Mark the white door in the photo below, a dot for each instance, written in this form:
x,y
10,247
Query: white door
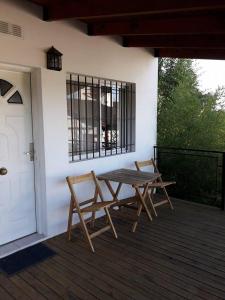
x,y
17,196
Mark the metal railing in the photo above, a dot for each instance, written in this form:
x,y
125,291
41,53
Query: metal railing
x,y
199,174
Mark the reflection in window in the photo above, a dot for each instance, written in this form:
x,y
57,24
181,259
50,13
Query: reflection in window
x,y
101,117
5,86
15,98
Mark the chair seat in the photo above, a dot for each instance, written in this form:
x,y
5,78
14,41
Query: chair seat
x,y
128,201
161,184
97,206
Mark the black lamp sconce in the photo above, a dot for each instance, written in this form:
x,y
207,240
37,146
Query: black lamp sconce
x,y
54,59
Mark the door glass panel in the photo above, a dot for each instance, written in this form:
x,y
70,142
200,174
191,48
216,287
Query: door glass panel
x,y
15,98
5,86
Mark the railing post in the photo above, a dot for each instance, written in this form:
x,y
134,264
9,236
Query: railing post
x,y
154,157
223,182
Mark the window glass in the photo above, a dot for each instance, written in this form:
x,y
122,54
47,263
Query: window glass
x,y
101,117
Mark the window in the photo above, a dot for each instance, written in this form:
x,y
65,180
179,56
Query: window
x,y
15,98
101,117
5,86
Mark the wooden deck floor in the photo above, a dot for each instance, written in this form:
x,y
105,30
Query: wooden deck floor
x,y
181,255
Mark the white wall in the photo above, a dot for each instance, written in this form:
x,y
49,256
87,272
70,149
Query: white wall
x,y
98,56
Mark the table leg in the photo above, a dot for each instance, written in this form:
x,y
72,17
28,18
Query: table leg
x,y
151,202
114,194
142,197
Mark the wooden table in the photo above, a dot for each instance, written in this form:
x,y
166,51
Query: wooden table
x,y
138,180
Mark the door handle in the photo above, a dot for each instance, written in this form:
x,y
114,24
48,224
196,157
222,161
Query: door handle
x,y
31,152
27,153
3,171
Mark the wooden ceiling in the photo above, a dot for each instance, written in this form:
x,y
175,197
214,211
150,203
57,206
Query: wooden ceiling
x,y
173,28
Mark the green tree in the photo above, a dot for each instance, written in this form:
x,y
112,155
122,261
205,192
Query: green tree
x,y
188,117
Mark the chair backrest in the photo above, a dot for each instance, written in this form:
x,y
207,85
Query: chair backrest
x,y
73,180
145,163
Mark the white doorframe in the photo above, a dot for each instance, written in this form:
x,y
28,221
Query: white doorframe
x,y
39,162
38,139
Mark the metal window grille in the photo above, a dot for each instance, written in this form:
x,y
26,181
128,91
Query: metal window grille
x,y
101,117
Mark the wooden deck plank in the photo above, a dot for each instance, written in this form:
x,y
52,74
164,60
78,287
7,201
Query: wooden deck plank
x,y
147,257
187,255
31,292
147,283
15,291
106,267
175,277
60,291
156,236
38,285
83,279
180,255
73,289
107,283
5,294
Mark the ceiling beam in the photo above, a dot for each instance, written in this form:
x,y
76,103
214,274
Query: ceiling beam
x,y
203,24
191,53
175,41
41,2
87,9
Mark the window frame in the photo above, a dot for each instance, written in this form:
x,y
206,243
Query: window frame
x,y
125,95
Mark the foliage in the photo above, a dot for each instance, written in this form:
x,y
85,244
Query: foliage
x,y
188,117
191,119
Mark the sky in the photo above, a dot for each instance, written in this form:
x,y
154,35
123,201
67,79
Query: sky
x,y
211,74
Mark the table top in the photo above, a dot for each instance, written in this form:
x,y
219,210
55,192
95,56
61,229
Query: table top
x,y
128,176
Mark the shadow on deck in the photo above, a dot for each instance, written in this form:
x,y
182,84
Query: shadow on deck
x,y
180,255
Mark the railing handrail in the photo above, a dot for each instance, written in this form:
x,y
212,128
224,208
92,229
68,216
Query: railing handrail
x,y
188,149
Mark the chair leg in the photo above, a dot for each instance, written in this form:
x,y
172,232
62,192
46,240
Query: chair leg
x,y
138,217
152,204
110,222
86,233
106,219
93,219
168,198
70,219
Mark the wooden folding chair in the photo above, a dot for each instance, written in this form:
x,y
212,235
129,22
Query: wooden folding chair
x,y
158,184
89,206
